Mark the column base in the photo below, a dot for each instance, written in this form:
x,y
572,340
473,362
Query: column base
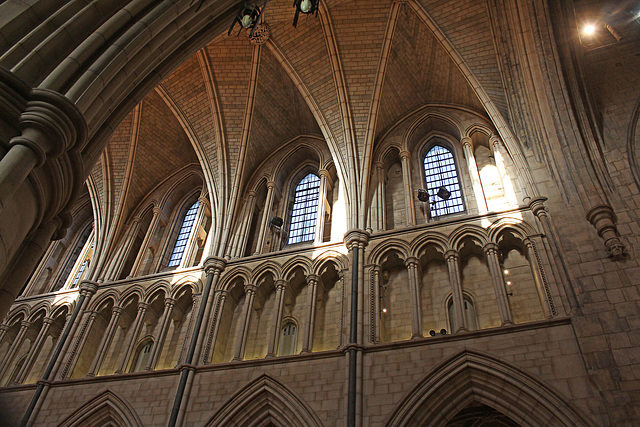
x,y
507,323
417,336
305,351
237,359
270,356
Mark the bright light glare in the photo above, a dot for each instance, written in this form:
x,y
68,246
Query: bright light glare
x,y
589,29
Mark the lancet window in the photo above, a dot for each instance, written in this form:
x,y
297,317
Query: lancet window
x,y
183,235
443,185
305,210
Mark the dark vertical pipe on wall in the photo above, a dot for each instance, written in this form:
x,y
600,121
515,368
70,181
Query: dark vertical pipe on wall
x,y
353,339
52,360
184,376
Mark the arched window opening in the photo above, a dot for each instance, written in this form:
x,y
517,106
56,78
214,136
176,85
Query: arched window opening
x,y
443,186
142,358
305,210
183,235
288,339
83,267
73,260
469,315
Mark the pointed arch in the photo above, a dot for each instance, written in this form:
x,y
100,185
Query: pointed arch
x,y
470,377
265,399
105,409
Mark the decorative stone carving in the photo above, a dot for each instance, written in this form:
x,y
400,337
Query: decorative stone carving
x,y
603,219
261,34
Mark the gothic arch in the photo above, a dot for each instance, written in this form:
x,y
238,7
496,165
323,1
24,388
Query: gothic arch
x,y
262,400
105,409
470,377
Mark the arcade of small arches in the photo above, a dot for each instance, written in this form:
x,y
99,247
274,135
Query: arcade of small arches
x,y
474,261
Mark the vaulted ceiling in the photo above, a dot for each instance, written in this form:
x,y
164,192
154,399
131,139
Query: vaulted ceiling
x,y
346,76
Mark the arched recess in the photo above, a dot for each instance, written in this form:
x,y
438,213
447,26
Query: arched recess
x,y
470,377
265,401
105,409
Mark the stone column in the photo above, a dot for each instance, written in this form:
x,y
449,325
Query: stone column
x,y
50,125
414,292
87,290
276,322
162,335
405,157
538,208
34,351
473,173
322,203
246,224
215,325
250,291
145,242
3,331
307,341
538,276
491,254
105,343
499,154
453,266
79,344
131,342
377,309
17,343
214,266
264,224
382,215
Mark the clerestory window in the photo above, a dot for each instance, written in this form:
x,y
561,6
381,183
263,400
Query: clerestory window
x,y
183,235
305,210
443,186
73,260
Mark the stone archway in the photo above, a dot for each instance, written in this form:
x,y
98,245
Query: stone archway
x,y
470,380
265,402
106,409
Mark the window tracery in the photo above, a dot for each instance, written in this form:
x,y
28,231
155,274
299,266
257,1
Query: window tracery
x,y
443,185
305,210
183,236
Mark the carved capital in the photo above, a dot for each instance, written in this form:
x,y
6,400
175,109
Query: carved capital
x,y
537,206
250,289
88,288
451,255
490,248
214,263
411,262
466,141
50,124
356,236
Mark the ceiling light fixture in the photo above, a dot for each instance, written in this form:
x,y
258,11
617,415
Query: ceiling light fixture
x,y
306,7
589,30
249,16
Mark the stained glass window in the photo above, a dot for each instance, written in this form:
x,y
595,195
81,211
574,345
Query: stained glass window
x,y
442,180
183,235
305,210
